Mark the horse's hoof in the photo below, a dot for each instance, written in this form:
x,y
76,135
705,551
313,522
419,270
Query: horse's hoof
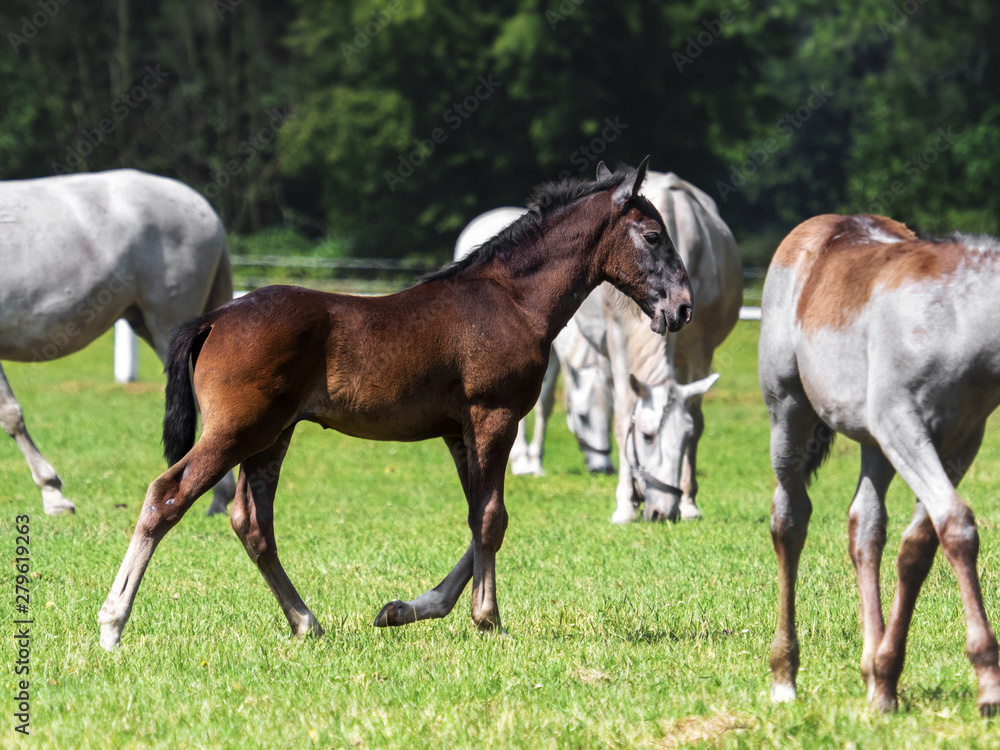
x,y
54,504
111,639
885,704
395,613
782,693
989,702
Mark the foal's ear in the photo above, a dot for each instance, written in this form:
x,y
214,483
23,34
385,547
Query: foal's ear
x,y
629,189
603,173
640,388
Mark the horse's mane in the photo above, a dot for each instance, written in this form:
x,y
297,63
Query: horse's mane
x,y
546,200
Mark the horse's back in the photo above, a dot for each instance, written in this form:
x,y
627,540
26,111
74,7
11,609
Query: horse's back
x,y
81,249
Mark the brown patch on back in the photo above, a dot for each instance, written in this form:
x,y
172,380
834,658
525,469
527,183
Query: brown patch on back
x,y
839,261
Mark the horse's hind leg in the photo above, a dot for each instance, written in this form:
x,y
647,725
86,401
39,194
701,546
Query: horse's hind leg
x,y
155,330
12,421
525,457
168,498
441,600
866,531
252,519
793,423
941,517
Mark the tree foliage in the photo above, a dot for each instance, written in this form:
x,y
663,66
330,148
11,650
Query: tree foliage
x,y
390,123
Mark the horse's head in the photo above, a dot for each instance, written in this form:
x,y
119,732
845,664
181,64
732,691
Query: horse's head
x,y
642,261
588,415
661,428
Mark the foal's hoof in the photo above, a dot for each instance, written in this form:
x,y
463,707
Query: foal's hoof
x,y
395,613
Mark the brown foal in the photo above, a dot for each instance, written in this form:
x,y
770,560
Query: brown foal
x,y
460,356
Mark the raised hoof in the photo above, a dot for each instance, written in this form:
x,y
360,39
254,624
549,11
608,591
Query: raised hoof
x,y
782,693
395,613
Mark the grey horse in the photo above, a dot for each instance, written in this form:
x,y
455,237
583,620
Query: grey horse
x,y
81,251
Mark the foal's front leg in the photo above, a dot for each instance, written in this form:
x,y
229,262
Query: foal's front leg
x,y
488,446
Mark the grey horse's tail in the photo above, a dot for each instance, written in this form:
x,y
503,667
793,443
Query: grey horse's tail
x,y
818,449
181,416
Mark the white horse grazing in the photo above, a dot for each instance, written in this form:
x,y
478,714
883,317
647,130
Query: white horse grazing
x,y
587,384
659,382
893,342
81,251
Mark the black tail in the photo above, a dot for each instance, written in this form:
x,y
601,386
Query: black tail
x,y
181,416
818,449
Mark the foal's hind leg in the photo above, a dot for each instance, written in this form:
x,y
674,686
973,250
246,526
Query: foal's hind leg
x,y
167,499
12,422
942,517
441,600
252,519
866,531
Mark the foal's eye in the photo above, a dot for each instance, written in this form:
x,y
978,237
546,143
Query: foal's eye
x,y
651,237
649,437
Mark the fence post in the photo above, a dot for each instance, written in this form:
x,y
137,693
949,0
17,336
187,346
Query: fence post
x,y
126,353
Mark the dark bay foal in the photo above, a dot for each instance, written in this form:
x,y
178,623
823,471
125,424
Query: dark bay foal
x,y
459,356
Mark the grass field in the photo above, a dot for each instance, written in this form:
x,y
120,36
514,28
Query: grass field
x,y
643,636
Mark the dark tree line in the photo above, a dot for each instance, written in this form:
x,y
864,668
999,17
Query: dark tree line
x,y
388,124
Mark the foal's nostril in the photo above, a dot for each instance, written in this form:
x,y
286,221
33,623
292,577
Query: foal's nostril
x,y
684,312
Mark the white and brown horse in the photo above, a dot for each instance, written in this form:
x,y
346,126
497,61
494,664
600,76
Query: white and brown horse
x,y
892,341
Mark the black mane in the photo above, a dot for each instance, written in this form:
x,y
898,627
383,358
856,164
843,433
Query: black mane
x,y
545,201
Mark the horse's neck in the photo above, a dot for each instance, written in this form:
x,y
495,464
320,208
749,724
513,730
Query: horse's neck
x,y
551,278
650,356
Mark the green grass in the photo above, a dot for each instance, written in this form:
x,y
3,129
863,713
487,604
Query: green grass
x,y
644,636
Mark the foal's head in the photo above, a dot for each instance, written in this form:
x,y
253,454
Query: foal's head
x,y
640,259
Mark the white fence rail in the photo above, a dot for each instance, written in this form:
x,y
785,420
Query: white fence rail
x,y
126,362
